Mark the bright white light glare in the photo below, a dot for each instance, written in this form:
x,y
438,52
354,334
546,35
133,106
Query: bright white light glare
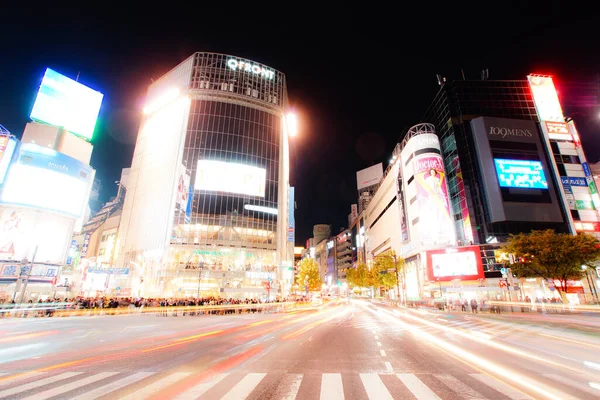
x,y
592,365
595,385
222,176
292,124
266,210
162,101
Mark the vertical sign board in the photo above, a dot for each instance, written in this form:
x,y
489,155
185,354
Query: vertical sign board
x,y
291,221
86,242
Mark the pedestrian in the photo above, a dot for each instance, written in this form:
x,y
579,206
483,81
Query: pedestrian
x,y
474,306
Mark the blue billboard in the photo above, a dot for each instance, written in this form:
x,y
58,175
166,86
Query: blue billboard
x,y
525,174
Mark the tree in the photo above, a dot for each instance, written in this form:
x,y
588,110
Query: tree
x,y
309,273
549,255
386,270
358,276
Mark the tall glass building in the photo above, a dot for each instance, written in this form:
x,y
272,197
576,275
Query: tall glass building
x,y
207,211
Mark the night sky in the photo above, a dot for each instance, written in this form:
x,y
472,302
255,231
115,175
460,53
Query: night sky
x,y
356,77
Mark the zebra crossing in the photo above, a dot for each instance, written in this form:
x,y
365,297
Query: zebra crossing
x,y
238,386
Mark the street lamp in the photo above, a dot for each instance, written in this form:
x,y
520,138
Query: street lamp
x,y
292,124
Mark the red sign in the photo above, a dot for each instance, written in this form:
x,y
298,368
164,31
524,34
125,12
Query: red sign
x,y
557,127
463,263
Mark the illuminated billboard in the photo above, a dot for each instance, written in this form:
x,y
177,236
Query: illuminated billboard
x,y
43,178
22,230
229,177
435,218
64,102
525,174
462,263
545,98
7,149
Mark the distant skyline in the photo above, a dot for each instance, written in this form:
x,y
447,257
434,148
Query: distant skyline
x,y
356,78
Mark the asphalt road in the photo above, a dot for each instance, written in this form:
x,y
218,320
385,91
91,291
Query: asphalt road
x,y
342,350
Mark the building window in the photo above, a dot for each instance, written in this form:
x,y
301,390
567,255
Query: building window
x,y
414,221
101,252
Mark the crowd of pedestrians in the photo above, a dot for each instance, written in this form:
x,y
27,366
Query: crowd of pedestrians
x,y
107,305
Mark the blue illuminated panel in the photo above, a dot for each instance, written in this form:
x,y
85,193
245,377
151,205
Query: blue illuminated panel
x,y
525,174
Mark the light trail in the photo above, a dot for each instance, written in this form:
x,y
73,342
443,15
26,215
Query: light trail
x,y
492,369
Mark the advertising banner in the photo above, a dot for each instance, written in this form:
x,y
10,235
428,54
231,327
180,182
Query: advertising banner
x,y
402,208
86,243
369,176
229,177
573,181
435,218
464,208
183,189
462,263
545,98
584,205
291,222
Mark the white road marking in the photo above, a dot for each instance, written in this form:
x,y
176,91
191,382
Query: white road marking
x,y
388,366
70,386
417,387
113,386
594,385
591,365
382,352
19,377
244,387
376,337
503,388
200,389
375,388
572,383
288,387
379,344
37,384
331,387
460,387
151,389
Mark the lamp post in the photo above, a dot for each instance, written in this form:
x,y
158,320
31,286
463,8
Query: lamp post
x,y
397,277
437,268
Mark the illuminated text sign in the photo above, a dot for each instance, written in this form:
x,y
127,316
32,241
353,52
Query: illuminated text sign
x,y
248,66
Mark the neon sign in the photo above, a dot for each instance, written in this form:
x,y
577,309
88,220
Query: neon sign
x,y
247,66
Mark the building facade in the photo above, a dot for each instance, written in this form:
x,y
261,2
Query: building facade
x,y
207,208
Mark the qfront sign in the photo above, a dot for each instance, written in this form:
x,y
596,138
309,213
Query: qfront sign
x,y
236,64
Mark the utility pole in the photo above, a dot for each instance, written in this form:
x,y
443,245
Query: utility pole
x,y
27,276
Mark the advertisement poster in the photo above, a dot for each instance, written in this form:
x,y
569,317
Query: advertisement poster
x,y
466,217
402,208
435,218
183,189
462,263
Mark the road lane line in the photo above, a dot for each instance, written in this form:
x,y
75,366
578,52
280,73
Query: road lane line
x,y
288,387
5,381
459,387
375,388
331,387
113,386
37,384
379,344
151,389
198,390
244,387
70,386
382,353
572,383
388,366
417,387
506,390
376,337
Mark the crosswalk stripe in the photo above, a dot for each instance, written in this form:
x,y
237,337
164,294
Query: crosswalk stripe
x,y
19,377
198,390
331,387
573,384
501,387
156,386
111,387
244,387
459,387
70,386
417,387
375,388
288,387
36,384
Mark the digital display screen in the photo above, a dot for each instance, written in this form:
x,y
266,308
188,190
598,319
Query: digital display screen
x,y
454,264
64,102
222,176
525,174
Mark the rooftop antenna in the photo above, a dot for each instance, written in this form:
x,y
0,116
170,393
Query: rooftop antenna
x,y
485,74
441,79
462,71
77,78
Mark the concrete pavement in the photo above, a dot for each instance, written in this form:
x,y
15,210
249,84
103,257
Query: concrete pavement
x,y
343,350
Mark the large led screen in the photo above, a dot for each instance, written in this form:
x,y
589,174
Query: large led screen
x,y
43,178
525,174
455,263
63,102
221,176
